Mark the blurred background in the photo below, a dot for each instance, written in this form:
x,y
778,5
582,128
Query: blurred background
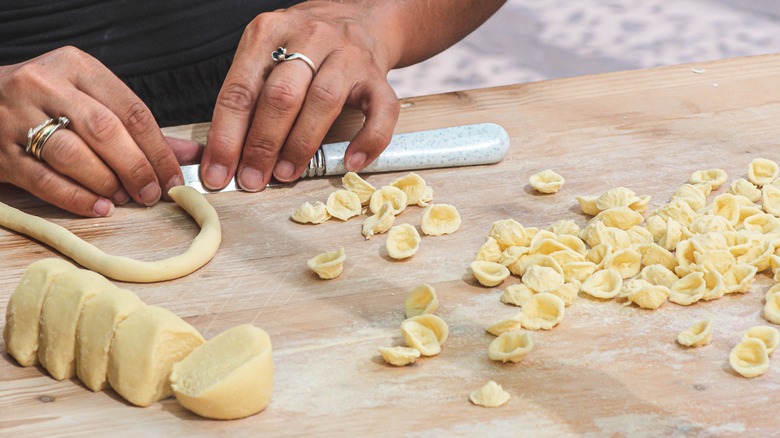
x,y
533,40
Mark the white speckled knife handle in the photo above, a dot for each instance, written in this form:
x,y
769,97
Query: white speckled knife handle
x,y
466,145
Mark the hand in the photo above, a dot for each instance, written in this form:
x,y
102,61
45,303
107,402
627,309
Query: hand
x,y
270,119
112,150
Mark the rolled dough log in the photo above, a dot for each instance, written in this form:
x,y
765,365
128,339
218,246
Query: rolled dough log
x,y
60,315
230,376
145,347
21,329
201,250
96,329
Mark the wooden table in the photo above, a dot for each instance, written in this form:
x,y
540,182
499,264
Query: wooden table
x,y
606,369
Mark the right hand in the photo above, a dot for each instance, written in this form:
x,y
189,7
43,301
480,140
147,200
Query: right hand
x,y
113,149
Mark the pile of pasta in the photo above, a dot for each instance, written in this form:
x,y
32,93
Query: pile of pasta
x,y
688,249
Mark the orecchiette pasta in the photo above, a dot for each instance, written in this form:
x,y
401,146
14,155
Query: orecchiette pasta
x,y
772,308
564,227
567,292
508,232
749,358
745,188
768,335
644,294
762,172
547,181
328,265
343,204
716,177
426,333
626,261
658,275
542,311
510,347
770,199
392,194
422,300
490,396
517,295
688,289
413,185
399,356
604,284
510,324
439,219
402,242
697,335
489,273
308,213
542,278
379,222
490,251
354,183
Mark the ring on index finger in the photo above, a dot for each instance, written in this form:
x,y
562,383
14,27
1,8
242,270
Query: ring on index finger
x,y
37,137
281,55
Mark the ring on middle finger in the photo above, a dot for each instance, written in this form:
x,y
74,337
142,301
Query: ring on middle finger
x,y
281,55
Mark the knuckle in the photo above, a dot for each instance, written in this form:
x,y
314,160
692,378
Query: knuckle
x,y
65,151
281,95
138,118
102,126
138,170
378,138
236,96
325,94
28,75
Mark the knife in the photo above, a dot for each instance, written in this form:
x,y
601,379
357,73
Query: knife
x,y
465,145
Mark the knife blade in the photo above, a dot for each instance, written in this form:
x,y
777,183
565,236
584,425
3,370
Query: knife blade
x,y
464,145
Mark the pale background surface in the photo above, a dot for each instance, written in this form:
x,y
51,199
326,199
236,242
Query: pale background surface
x,y
532,40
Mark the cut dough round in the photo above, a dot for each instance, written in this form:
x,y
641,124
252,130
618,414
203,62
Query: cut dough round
x,y
399,356
749,358
422,300
68,295
426,333
343,204
489,273
23,313
145,347
439,219
543,311
546,181
490,396
328,265
230,376
402,242
95,331
201,250
768,335
510,347
697,335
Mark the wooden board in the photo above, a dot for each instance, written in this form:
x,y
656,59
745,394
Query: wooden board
x,y
606,369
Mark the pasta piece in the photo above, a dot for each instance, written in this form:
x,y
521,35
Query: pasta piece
x,y
489,273
490,396
770,199
422,300
426,197
308,213
739,279
542,278
547,181
619,217
604,284
654,254
517,295
719,260
402,242
639,235
399,356
490,251
768,335
745,188
567,292
543,311
354,183
771,291
328,265
698,335
714,287
749,358
772,308
596,254
510,347
716,177
426,333
439,219
644,294
658,275
547,246
639,204
578,271
508,232
343,204
691,195
565,227
678,210
379,222
725,205
616,197
688,289
413,185
510,324
392,194
762,172
626,261
573,242
526,261
588,205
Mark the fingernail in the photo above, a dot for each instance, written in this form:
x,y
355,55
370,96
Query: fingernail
x,y
176,180
356,162
284,170
150,194
120,197
250,179
103,207
215,176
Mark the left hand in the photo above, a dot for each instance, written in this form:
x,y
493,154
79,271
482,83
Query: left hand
x,y
270,119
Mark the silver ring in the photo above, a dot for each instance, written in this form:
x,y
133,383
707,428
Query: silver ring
x,y
37,137
280,55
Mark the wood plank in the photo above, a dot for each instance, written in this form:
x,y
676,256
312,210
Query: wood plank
x,y
606,369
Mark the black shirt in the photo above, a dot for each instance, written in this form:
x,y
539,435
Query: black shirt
x,y
174,54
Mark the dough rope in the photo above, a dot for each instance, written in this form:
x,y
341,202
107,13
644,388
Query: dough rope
x,y
200,252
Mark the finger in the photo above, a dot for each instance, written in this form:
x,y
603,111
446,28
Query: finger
x,y
67,154
323,103
42,181
380,104
236,102
186,151
280,101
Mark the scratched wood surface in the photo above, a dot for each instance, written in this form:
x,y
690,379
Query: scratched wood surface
x,y
606,369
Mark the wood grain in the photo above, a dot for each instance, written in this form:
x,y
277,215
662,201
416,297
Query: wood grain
x,y
606,369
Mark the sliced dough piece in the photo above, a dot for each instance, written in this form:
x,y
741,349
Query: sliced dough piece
x,y
492,395
489,273
328,265
230,376
749,358
343,204
547,181
145,347
309,213
402,242
439,219
95,331
392,194
60,315
399,356
422,300
762,172
770,336
201,250
413,185
510,324
510,347
543,311
698,335
23,313
354,183
426,333
379,222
